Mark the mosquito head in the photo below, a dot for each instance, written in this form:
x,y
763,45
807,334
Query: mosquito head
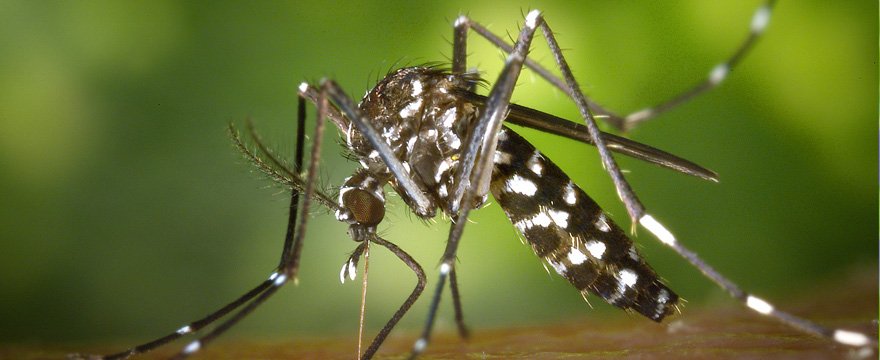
x,y
366,209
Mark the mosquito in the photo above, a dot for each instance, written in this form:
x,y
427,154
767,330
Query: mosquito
x,y
425,132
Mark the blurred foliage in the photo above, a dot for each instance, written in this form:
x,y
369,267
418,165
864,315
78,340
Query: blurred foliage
x,y
126,212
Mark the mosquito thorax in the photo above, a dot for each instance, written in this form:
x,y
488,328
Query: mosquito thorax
x,y
420,113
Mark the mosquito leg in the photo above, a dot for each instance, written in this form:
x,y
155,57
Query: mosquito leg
x,y
456,301
288,250
634,207
844,337
291,268
531,64
459,66
760,20
759,23
293,239
472,181
277,281
417,291
459,44
187,329
248,296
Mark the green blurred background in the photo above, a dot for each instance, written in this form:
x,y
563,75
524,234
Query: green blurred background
x,y
126,212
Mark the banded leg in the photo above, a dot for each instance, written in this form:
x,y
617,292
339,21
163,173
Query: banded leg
x,y
841,336
293,240
287,253
760,20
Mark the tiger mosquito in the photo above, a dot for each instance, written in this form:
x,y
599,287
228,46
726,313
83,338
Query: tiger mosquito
x,y
425,132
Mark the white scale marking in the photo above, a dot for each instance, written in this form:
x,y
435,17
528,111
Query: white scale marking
x,y
576,257
502,157
541,219
420,345
441,169
760,19
417,88
342,273
662,298
184,330
445,268
632,253
411,108
344,190
390,133
657,229
559,217
759,305
560,269
521,185
411,143
348,134
628,277
303,87
534,163
280,280
850,338
449,117
602,223
532,18
460,20
718,73
192,347
570,194
455,143
596,248
640,115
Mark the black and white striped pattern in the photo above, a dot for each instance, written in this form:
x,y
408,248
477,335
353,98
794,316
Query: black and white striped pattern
x,y
567,229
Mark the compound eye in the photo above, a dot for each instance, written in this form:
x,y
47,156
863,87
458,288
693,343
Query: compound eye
x,y
366,208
